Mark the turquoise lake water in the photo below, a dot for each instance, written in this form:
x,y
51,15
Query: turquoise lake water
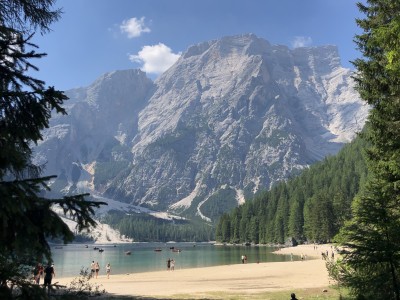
x,y
70,259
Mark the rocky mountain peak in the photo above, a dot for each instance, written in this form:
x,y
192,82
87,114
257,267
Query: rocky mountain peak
x,y
322,60
230,117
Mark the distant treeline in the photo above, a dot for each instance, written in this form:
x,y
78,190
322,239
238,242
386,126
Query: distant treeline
x,y
145,228
312,206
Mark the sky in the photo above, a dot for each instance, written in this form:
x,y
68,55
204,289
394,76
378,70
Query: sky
x,y
98,36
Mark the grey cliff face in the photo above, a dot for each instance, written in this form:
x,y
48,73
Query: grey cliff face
x,y
101,116
233,116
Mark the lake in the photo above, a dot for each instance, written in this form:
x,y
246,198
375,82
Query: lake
x,y
69,259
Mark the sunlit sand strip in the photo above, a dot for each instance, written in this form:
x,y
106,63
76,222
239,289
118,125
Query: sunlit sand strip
x,y
243,278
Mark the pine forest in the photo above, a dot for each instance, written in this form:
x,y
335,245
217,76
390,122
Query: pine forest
x,y
310,207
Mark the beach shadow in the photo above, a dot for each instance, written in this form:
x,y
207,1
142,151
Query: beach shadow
x,y
114,297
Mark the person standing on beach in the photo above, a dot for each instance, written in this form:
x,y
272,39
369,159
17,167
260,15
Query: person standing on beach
x,y
168,264
108,270
97,268
92,269
38,272
48,276
172,264
242,259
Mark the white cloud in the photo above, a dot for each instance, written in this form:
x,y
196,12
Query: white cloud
x,y
301,41
134,27
155,59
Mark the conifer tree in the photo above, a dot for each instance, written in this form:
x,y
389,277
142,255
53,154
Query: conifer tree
x,y
27,219
371,255
296,218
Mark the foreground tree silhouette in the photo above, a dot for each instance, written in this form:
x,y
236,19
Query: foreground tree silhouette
x,y
27,219
371,253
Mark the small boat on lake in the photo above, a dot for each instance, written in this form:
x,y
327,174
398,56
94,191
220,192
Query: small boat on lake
x,y
158,250
176,250
128,252
101,250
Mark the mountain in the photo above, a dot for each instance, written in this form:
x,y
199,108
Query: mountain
x,y
229,118
313,206
99,117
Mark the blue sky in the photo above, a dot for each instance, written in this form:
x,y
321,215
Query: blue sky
x,y
97,36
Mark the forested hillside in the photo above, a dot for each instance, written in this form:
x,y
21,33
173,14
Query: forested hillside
x,y
144,228
312,206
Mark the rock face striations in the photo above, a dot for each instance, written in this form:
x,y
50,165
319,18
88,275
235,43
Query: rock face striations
x,y
231,117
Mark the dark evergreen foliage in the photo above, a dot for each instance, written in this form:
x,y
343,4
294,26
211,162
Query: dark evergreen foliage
x,y
26,217
312,206
26,16
144,228
25,109
371,240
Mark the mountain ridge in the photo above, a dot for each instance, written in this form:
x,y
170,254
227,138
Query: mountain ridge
x,y
230,117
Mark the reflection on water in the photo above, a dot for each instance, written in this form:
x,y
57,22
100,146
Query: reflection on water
x,y
69,259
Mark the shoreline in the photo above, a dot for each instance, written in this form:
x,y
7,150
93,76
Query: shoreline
x,y
250,278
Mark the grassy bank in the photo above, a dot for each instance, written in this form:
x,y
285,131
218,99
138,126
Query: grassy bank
x,y
332,293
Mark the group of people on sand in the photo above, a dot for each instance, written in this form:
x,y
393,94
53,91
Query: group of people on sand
x,y
47,273
95,269
170,264
325,255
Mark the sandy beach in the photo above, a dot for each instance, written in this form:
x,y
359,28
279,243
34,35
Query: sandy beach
x,y
244,278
